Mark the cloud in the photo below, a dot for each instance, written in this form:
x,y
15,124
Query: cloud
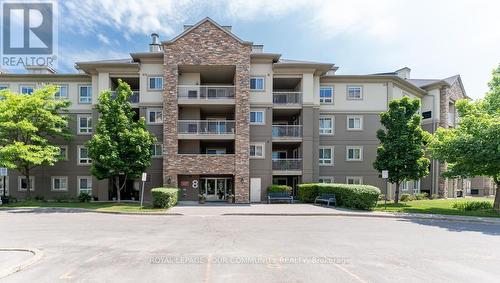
x,y
104,39
68,57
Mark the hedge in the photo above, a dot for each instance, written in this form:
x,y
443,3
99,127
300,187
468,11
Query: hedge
x,y
279,189
351,196
164,197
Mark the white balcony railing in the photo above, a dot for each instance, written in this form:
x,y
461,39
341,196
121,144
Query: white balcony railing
x,y
287,131
206,127
205,92
287,164
134,98
287,97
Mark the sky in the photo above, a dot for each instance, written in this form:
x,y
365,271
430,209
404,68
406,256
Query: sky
x,y
436,39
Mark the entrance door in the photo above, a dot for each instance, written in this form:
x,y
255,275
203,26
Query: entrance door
x,y
216,188
255,189
221,189
210,189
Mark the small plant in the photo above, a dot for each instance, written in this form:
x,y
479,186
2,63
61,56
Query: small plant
x,y
84,197
164,197
230,198
62,198
406,197
39,198
279,189
422,196
434,196
202,198
381,197
472,205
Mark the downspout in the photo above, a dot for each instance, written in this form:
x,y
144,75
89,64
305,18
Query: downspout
x,y
434,162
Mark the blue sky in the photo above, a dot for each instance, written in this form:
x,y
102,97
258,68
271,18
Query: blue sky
x,y
436,39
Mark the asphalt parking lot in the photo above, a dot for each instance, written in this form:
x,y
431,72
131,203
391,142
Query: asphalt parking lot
x,y
92,247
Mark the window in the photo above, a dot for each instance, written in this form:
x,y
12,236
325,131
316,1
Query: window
x,y
63,152
23,183
354,92
326,155
155,83
85,94
85,185
59,183
257,117
84,125
281,154
216,151
257,150
354,153
354,123
404,185
62,92
157,150
2,87
326,95
26,89
416,187
326,125
4,186
155,116
354,180
426,114
257,83
325,180
83,156
280,181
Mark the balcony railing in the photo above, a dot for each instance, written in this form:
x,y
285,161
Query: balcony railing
x,y
287,131
288,164
287,97
134,98
205,92
206,127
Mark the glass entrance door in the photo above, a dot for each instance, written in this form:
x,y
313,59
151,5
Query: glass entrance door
x,y
210,189
217,188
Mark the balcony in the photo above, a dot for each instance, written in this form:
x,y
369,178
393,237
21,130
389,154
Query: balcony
x,y
134,98
287,98
205,94
287,132
209,129
287,166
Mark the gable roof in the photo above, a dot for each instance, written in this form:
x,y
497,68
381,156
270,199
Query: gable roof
x,y
207,19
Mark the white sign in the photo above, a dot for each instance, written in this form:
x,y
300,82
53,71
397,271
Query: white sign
x,y
144,177
385,174
3,171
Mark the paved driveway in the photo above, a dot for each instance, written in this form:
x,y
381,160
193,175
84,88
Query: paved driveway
x,y
90,247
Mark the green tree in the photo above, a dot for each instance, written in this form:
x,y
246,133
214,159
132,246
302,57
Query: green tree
x,y
120,146
402,143
28,124
473,147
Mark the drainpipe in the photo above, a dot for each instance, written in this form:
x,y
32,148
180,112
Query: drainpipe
x,y
434,162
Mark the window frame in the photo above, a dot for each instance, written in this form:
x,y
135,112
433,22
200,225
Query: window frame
x,y
4,86
65,157
156,110
154,151
52,183
332,158
19,182
216,149
263,78
79,158
256,144
78,183
59,92
348,147
416,186
263,117
332,120
331,178
21,86
360,178
361,118
87,129
86,100
332,91
360,92
155,77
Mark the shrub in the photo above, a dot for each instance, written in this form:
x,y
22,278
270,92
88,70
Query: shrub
x,y
350,196
164,197
62,198
422,196
434,196
84,197
39,198
473,205
279,189
406,197
381,197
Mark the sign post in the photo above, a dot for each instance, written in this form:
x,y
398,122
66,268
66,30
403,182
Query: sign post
x,y
143,179
385,175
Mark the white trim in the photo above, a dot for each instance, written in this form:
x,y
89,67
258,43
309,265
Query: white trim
x,y
86,98
333,95
263,111
359,178
32,183
155,110
360,92
332,120
361,118
66,155
348,147
263,83
332,150
256,144
79,159
88,130
331,178
52,183
79,178
155,77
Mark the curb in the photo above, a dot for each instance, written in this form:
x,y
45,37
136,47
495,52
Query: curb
x,y
394,216
67,209
37,255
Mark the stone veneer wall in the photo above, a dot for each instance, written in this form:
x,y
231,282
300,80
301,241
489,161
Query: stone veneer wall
x,y
207,44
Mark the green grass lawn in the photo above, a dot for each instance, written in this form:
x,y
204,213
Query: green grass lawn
x,y
98,206
437,206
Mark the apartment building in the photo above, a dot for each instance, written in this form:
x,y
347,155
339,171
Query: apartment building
x,y
231,119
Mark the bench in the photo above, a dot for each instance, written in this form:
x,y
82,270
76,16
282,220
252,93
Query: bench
x,y
279,196
328,198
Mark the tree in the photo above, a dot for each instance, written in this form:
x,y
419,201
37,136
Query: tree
x,y
28,124
402,143
473,147
121,146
